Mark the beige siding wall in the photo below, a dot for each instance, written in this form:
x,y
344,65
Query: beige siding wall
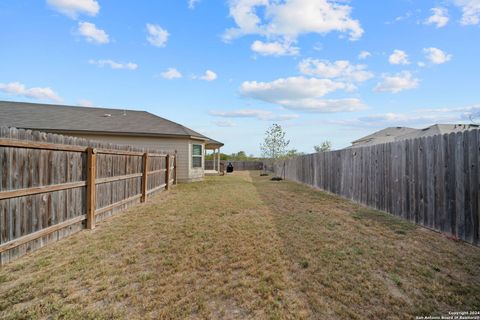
x,y
185,172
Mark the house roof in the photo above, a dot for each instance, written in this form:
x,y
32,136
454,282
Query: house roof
x,y
383,136
440,129
214,143
402,133
49,117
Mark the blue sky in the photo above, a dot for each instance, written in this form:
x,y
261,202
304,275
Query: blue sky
x,y
324,70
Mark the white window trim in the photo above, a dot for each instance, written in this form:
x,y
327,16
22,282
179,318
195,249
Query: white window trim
x,y
197,156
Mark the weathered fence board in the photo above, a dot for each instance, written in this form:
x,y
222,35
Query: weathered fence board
x,y
52,186
432,181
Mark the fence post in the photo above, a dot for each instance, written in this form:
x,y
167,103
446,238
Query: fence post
x,y
167,173
145,177
175,169
91,187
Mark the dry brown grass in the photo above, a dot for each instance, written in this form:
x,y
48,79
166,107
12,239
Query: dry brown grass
x,y
239,247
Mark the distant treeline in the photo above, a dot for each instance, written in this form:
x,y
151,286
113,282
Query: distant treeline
x,y
238,156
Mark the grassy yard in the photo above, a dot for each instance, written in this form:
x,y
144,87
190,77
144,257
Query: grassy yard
x,y
240,247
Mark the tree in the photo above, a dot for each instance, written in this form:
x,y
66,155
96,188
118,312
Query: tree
x,y
223,156
274,145
294,153
241,155
324,147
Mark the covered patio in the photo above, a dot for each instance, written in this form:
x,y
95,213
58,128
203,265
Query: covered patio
x,y
215,147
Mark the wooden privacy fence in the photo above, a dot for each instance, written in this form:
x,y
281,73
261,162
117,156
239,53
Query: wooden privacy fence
x,y
52,186
237,165
432,181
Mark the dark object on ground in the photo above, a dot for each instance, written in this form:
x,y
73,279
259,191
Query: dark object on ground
x,y
230,167
276,179
263,174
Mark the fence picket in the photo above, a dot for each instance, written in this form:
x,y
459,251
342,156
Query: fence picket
x,y
432,181
50,184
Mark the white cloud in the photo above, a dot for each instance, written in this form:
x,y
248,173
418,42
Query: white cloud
x,y
398,57
274,48
439,17
392,119
341,69
72,8
158,36
290,88
92,33
192,3
300,93
471,11
397,82
404,118
114,65
19,89
289,19
403,17
209,76
324,105
224,123
437,56
364,55
254,113
171,73
406,16
420,117
465,111
85,103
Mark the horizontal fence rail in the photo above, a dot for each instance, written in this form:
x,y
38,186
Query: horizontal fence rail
x,y
237,165
431,181
52,186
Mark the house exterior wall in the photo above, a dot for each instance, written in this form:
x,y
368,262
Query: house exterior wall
x,y
183,146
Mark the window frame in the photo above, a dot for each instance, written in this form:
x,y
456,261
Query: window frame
x,y
197,156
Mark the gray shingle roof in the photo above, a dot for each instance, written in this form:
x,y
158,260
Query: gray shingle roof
x,y
440,129
402,133
383,136
80,119
214,143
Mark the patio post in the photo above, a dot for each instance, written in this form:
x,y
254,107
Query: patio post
x,y
215,159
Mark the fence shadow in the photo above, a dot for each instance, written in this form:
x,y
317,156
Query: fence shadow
x,y
432,181
349,261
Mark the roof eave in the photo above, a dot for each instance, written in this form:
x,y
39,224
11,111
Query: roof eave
x,y
119,133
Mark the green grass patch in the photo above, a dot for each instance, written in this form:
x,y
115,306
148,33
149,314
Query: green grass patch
x,y
396,224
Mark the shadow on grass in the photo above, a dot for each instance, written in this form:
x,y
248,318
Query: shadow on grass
x,y
349,261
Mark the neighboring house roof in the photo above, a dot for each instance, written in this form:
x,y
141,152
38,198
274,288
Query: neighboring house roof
x,y
402,133
440,129
49,117
383,136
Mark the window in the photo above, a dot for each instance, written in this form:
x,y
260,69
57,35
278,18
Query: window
x,y
197,156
